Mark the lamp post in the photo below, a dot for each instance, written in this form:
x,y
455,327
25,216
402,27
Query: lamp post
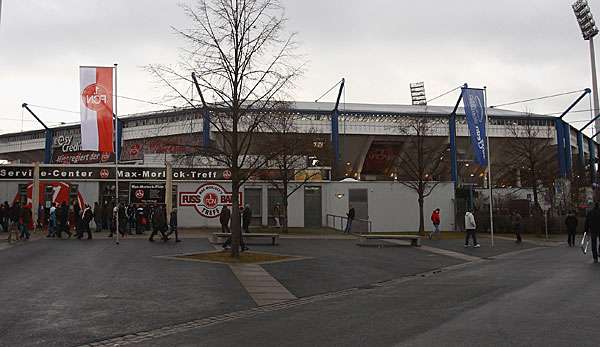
x,y
589,30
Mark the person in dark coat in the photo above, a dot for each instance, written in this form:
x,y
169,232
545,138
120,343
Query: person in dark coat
x,y
86,218
224,218
571,223
159,224
98,215
351,214
62,215
592,226
25,219
246,218
173,225
516,224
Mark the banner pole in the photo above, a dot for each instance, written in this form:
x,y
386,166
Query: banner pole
x,y
116,149
487,125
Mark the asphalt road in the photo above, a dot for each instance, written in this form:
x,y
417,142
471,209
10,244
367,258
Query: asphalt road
x,y
539,297
69,293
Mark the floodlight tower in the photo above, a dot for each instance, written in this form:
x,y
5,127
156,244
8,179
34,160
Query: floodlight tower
x,y
589,30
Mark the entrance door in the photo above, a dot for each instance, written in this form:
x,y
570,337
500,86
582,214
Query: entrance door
x,y
359,199
313,216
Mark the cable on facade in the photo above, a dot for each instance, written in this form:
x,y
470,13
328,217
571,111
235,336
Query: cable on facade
x,y
538,98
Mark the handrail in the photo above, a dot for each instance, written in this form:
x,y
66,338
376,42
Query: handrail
x,y
342,218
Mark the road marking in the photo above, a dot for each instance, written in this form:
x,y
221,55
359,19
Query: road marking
x,y
439,251
262,287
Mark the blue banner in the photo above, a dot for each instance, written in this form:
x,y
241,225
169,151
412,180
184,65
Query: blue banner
x,y
476,119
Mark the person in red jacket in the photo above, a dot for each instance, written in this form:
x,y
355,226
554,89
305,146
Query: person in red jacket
x,y
435,219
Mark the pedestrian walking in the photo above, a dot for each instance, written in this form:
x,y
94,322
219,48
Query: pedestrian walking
x,y
159,224
52,223
277,215
173,225
435,220
516,225
246,219
25,219
98,213
592,227
224,218
86,218
571,223
5,218
62,216
470,227
141,221
351,214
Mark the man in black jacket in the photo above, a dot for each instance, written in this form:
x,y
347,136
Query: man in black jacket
x,y
571,223
351,214
592,226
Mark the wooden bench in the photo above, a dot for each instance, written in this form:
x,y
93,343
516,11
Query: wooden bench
x,y
274,237
415,240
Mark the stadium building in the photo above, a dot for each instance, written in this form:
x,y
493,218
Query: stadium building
x,y
352,155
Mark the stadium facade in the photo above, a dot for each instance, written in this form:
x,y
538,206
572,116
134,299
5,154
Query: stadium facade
x,y
368,142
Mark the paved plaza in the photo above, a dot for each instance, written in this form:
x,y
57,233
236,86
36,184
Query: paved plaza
x,y
74,293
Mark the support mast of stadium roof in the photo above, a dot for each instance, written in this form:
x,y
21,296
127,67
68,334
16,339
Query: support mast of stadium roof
x,y
452,131
49,135
563,138
205,115
335,129
580,141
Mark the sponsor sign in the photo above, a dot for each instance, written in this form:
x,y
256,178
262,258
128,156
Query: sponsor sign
x,y
476,119
208,200
67,150
94,173
147,193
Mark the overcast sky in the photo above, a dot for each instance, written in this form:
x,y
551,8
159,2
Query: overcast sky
x,y
518,49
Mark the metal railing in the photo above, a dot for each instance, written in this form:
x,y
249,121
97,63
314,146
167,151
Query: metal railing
x,y
339,223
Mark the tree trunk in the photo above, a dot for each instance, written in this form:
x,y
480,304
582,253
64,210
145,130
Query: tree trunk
x,y
284,223
421,217
236,229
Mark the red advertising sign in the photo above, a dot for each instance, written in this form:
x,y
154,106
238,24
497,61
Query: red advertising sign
x,y
208,199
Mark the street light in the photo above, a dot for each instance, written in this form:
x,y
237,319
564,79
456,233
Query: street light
x,y
588,30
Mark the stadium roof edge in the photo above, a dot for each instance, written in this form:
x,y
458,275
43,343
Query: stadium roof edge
x,y
363,109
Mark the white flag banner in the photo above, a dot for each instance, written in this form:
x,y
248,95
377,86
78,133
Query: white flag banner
x,y
96,94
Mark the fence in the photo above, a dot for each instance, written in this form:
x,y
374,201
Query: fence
x,y
358,225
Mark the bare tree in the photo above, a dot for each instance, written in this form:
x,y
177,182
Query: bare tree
x,y
239,55
289,152
419,166
530,153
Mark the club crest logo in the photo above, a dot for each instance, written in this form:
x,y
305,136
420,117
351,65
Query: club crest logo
x,y
95,97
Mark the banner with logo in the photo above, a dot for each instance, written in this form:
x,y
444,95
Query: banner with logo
x,y
475,113
96,95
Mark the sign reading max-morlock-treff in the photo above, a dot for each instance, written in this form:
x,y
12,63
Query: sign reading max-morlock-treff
x,y
126,173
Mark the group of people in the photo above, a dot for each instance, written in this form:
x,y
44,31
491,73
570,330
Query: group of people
x,y
16,216
75,219
470,227
246,219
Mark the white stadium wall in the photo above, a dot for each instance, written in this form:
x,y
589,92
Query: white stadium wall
x,y
392,206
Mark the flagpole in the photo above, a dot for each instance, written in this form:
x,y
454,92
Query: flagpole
x,y
116,149
487,125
